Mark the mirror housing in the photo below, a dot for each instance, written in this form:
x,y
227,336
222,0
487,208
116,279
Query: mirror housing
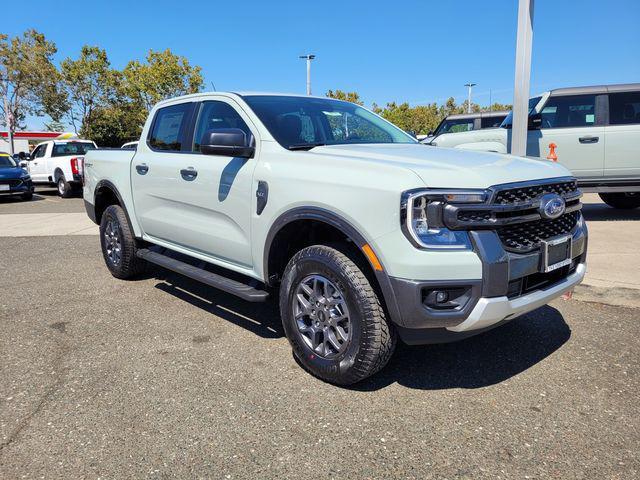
x,y
535,121
23,164
227,142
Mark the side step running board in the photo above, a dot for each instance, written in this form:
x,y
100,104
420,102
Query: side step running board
x,y
246,292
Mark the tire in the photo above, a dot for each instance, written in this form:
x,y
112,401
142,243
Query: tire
x,y
371,339
64,189
27,196
624,201
119,245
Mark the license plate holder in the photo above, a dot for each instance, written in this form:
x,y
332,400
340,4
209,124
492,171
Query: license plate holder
x,y
4,188
556,253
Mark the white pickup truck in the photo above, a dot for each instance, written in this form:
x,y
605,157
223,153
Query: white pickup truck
x,y
362,233
58,162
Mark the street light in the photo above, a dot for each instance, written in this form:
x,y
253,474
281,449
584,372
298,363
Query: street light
x,y
469,86
308,58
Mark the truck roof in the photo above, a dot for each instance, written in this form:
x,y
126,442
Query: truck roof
x,y
245,94
597,89
495,113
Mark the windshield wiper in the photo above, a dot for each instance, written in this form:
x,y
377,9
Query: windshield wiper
x,y
305,146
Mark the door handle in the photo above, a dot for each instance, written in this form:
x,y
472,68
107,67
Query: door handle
x,y
142,169
189,174
589,139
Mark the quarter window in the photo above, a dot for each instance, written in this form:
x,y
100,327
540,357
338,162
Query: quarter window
x,y
169,126
569,111
214,115
624,108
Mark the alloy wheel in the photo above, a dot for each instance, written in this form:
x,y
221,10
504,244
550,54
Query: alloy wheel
x,y
112,246
322,316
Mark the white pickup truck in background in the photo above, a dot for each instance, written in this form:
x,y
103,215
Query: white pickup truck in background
x,y
58,162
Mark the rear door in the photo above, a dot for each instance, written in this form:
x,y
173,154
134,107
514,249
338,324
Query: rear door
x,y
622,134
574,123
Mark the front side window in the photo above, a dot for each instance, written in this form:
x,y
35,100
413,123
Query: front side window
x,y
304,122
71,148
491,122
508,120
624,108
569,111
169,127
214,115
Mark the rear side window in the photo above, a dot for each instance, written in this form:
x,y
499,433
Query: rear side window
x,y
214,115
569,111
491,122
624,108
169,127
71,148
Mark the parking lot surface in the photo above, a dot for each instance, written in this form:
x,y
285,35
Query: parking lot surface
x,y
162,377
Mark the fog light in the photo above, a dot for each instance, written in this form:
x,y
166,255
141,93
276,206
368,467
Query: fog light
x,y
441,297
446,298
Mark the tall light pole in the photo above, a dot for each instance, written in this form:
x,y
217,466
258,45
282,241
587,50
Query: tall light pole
x,y
308,58
469,86
524,41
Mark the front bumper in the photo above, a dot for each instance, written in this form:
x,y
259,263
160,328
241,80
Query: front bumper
x,y
511,285
16,187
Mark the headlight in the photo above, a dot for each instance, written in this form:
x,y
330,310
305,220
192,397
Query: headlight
x,y
421,216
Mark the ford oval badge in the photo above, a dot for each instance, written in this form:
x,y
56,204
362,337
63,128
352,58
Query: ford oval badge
x,y
551,206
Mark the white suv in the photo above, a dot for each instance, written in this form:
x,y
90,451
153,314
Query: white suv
x,y
596,133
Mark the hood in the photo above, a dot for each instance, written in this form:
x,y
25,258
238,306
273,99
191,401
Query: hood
x,y
12,172
448,167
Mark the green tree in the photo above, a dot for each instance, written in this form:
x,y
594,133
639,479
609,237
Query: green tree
x,y
28,79
89,83
164,75
352,97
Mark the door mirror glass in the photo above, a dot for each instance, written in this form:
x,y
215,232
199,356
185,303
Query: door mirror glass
x,y
227,142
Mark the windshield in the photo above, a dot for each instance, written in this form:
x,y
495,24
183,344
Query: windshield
x,y
508,121
300,123
71,148
6,161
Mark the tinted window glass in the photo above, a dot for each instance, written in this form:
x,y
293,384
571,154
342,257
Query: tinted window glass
x,y
215,115
303,122
71,148
40,151
624,108
491,122
455,126
508,121
569,111
6,161
169,127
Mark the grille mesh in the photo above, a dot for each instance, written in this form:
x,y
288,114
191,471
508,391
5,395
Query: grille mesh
x,y
532,192
524,237
13,183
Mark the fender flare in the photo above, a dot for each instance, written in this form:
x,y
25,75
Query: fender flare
x,y
57,173
109,185
336,221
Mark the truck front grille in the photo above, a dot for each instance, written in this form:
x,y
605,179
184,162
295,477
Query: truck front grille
x,y
11,183
525,237
512,211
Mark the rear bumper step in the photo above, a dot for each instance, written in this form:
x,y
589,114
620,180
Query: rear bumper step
x,y
239,289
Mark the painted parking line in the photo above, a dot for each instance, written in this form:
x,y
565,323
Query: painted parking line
x,y
46,224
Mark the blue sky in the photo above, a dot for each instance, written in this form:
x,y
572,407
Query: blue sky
x,y
415,51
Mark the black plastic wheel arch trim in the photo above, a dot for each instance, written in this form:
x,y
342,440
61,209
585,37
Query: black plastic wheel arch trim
x,y
334,220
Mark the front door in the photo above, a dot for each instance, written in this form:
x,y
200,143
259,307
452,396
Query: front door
x,y
622,151
38,165
195,201
573,124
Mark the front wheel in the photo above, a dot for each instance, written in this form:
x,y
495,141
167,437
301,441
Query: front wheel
x,y
624,201
333,318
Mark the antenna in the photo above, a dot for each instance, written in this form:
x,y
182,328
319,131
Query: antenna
x,y
214,87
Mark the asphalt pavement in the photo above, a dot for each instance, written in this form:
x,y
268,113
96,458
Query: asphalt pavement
x,y
161,377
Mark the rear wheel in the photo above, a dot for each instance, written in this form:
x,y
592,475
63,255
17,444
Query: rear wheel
x,y
64,189
623,201
118,244
27,196
333,318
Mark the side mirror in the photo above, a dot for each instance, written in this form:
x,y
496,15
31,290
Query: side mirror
x,y
430,133
228,142
23,164
535,121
